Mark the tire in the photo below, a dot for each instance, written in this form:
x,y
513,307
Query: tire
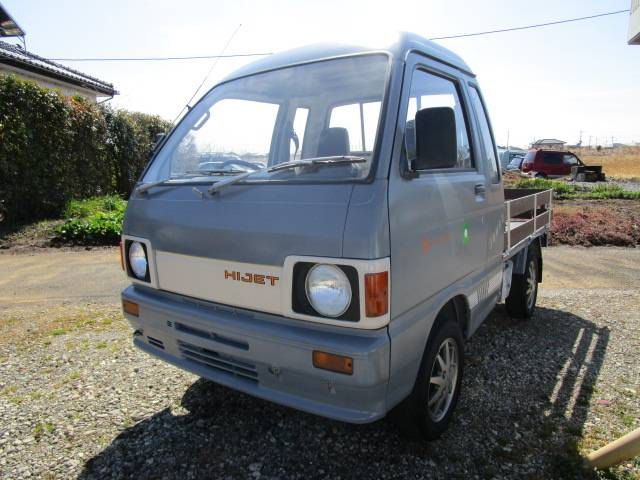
x,y
540,175
521,301
416,417
3,215
581,177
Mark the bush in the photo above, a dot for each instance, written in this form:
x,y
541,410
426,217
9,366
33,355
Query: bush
x,y
94,221
560,188
130,142
566,190
54,148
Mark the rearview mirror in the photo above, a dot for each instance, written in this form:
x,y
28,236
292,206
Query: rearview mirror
x,y
430,139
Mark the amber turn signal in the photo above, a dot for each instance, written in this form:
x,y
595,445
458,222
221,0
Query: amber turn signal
x,y
121,255
131,308
376,294
335,363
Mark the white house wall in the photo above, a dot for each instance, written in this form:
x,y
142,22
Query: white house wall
x,y
67,89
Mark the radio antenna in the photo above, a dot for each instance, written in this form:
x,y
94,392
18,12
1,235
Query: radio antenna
x,y
213,65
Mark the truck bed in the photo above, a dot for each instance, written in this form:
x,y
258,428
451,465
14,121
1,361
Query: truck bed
x,y
527,215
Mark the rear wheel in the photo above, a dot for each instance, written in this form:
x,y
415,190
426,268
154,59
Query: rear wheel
x,y
427,412
540,175
523,295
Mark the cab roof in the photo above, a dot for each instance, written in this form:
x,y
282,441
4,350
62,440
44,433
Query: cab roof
x,y
405,42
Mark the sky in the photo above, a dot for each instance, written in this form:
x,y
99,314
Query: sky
x,y
557,81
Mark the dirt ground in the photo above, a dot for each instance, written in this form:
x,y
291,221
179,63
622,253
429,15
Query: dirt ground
x,y
51,276
592,223
77,400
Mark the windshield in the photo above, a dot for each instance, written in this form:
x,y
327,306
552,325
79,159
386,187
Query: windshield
x,y
323,109
516,161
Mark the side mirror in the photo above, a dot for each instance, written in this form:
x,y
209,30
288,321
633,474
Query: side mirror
x,y
430,140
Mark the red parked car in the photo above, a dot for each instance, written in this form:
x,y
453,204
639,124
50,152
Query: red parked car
x,y
555,164
549,163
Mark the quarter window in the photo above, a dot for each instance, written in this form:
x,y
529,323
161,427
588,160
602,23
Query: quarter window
x,y
491,159
297,136
431,91
361,121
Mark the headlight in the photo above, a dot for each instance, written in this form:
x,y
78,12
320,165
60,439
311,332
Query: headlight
x,y
138,260
328,290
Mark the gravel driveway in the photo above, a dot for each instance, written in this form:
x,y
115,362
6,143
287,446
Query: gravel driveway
x,y
76,400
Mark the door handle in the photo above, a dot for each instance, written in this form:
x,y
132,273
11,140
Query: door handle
x,y
480,190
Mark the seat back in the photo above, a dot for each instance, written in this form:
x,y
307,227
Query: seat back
x,y
334,142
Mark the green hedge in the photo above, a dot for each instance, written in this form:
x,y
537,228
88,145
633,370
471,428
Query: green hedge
x,y
54,149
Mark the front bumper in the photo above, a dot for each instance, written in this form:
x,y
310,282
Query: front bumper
x,y
265,355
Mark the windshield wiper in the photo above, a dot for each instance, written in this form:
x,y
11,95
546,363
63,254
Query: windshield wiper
x,y
216,172
145,187
307,162
239,175
166,182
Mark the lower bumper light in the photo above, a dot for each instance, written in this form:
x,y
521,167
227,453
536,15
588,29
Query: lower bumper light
x,y
131,308
332,362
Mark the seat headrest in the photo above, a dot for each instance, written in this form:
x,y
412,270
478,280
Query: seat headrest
x,y
334,142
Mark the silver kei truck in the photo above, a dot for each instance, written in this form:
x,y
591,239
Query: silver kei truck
x,y
326,227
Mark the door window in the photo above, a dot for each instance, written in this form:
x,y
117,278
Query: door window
x,y
553,158
431,91
490,157
570,160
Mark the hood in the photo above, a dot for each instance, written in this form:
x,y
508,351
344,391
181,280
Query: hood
x,y
253,223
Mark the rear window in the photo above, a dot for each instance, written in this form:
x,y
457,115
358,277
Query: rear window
x,y
553,158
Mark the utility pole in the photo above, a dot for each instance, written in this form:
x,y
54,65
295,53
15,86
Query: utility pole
x,y
589,141
507,139
580,141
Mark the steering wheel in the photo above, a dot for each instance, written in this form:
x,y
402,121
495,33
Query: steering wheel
x,y
242,163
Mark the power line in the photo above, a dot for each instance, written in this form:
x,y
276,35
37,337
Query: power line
x,y
159,59
261,54
557,22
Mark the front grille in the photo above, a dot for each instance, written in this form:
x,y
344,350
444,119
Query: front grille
x,y
218,361
181,327
155,342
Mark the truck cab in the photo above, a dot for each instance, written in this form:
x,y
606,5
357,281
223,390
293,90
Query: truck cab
x,y
325,228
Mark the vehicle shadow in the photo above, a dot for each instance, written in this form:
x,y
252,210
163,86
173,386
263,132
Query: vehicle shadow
x,y
525,399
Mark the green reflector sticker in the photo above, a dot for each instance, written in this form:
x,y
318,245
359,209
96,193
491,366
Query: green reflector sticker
x,y
465,234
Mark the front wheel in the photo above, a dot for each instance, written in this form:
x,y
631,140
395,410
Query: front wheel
x,y
427,412
523,295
